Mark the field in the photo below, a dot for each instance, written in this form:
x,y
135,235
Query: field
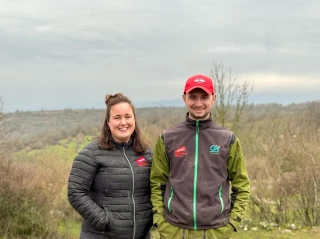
x,y
275,234
280,144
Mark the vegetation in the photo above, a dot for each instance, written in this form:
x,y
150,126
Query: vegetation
x,y
280,143
232,97
270,234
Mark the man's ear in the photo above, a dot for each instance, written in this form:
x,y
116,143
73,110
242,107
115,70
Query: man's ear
x,y
184,98
214,98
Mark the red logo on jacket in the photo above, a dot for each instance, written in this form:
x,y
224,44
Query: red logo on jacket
x,y
179,152
141,162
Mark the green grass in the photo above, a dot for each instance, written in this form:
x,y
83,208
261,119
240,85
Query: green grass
x,y
313,233
66,150
69,229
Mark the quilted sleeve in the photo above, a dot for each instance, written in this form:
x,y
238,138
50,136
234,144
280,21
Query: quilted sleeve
x,y
81,176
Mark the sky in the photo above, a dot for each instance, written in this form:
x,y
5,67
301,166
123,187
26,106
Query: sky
x,y
58,54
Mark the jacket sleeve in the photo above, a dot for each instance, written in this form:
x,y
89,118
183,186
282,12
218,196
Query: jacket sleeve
x,y
158,179
240,183
81,176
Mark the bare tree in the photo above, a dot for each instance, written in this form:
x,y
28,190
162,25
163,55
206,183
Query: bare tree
x,y
3,131
2,102
285,174
232,97
6,145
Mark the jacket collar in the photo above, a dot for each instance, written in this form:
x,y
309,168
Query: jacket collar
x,y
203,124
121,145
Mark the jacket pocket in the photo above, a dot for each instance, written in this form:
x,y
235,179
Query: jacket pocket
x,y
221,199
108,218
170,198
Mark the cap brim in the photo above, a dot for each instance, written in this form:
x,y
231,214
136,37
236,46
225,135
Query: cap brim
x,y
209,92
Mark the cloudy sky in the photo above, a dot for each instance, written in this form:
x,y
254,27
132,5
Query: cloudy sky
x,y
58,54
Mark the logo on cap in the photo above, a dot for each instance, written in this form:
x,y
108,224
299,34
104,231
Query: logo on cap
x,y
199,80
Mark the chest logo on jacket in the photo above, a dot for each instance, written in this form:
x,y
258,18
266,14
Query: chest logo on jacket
x,y
181,151
141,162
214,149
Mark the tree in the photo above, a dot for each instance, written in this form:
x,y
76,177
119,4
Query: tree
x,y
232,97
2,102
3,130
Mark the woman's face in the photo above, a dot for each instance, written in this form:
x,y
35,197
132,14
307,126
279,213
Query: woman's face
x,y
121,122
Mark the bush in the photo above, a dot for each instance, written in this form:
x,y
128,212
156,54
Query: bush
x,y
29,200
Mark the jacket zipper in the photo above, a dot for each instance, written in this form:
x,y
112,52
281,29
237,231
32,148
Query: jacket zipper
x,y
132,195
221,199
195,177
170,198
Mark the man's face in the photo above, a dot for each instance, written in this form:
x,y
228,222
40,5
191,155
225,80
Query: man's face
x,y
199,104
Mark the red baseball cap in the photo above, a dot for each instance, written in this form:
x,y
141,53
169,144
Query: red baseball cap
x,y
199,81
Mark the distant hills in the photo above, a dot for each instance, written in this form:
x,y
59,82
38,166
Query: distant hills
x,y
160,103
255,98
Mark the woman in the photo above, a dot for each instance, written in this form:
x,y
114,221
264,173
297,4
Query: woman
x,y
109,180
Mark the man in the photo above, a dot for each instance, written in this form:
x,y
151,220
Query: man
x,y
193,165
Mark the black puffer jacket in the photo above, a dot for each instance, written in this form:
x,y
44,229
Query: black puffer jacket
x,y
110,190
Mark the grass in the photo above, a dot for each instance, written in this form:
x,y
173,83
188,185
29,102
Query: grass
x,y
38,177
69,229
313,233
65,150
56,160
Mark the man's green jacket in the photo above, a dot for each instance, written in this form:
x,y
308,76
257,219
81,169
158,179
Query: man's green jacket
x,y
195,164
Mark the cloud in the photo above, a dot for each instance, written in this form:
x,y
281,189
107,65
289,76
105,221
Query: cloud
x,y
148,48
278,83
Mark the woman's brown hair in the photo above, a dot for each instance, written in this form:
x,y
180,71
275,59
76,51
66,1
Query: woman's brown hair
x,y
105,139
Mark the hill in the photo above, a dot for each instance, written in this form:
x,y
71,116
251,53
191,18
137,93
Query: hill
x,y
37,129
